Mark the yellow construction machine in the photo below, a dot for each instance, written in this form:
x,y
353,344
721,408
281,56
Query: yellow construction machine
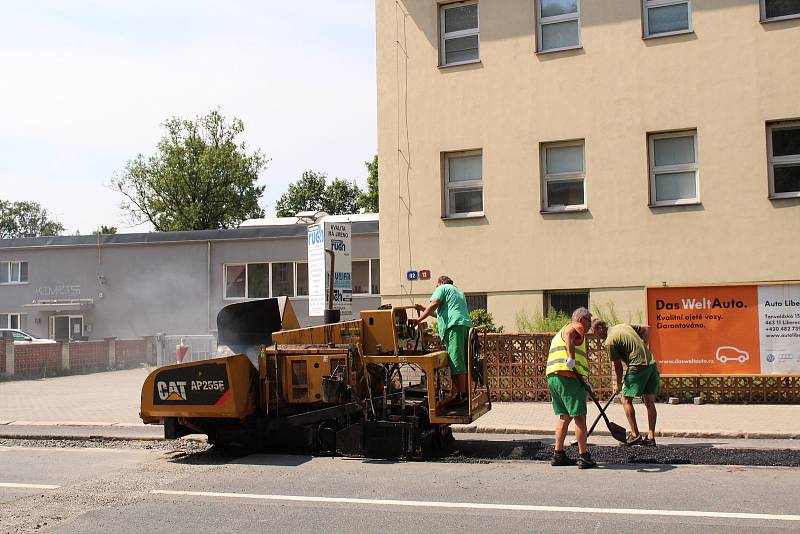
x,y
367,387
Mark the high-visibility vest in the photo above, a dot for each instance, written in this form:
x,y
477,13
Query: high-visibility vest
x,y
557,359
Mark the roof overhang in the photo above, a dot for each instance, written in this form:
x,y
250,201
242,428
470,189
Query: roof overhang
x,y
60,305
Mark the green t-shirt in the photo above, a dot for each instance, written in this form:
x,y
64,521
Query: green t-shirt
x,y
623,343
452,308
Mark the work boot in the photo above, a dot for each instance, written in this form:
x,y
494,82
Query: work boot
x,y
560,458
585,461
634,440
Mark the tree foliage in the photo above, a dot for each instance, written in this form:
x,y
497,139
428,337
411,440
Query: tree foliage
x,y
26,219
106,230
341,197
368,199
200,177
304,195
310,193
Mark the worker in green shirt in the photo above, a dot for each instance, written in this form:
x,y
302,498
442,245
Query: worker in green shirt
x,y
625,343
449,306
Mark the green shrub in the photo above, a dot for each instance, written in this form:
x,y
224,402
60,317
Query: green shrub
x,y
481,317
609,314
538,323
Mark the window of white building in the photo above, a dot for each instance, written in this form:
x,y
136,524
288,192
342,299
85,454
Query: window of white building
x,y
673,168
464,184
283,279
18,321
563,176
559,25
460,36
666,17
779,9
783,140
13,272
246,280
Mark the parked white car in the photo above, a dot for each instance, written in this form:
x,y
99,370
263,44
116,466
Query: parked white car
x,y
20,336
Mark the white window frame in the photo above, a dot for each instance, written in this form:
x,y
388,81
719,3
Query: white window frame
x,y
369,292
19,269
19,320
545,21
649,4
467,184
564,176
664,169
246,282
296,278
764,18
443,37
772,160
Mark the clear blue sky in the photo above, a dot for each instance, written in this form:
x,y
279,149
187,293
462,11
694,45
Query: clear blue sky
x,y
85,85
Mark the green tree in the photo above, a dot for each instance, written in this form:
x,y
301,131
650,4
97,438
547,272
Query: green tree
x,y
310,193
200,178
341,197
304,195
106,230
26,219
368,199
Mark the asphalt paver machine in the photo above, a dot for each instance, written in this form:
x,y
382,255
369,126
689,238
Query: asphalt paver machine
x,y
374,386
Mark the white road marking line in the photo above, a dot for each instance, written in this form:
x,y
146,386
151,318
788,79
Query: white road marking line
x,y
484,506
27,486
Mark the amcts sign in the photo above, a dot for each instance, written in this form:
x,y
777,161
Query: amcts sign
x,y
57,292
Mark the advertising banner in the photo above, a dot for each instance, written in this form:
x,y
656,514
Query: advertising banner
x,y
725,330
336,237
316,270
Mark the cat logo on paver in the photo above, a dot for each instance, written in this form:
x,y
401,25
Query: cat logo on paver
x,y
172,391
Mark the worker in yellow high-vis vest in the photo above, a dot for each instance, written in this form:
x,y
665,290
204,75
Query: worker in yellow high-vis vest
x,y
568,382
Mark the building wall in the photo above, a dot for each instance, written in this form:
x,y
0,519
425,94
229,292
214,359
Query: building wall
x,y
726,80
153,288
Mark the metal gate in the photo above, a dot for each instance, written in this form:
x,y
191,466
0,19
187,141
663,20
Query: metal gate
x,y
201,347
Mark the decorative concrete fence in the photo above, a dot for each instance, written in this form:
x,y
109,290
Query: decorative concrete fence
x,y
41,359
515,369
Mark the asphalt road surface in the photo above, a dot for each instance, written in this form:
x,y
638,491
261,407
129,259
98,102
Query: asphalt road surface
x,y
184,487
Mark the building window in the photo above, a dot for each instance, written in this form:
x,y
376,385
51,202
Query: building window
x,y
302,279
565,302
283,279
13,272
666,17
360,277
464,184
563,174
559,25
247,280
17,321
783,140
460,42
779,9
673,168
375,276
476,301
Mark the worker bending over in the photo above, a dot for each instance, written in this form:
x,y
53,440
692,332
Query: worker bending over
x,y
449,306
625,343
568,382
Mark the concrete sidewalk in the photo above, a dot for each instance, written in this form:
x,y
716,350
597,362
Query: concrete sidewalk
x,y
111,399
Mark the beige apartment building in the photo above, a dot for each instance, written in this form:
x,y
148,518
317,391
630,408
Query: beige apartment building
x,y
549,153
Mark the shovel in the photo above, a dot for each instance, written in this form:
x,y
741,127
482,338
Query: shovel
x,y
617,432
